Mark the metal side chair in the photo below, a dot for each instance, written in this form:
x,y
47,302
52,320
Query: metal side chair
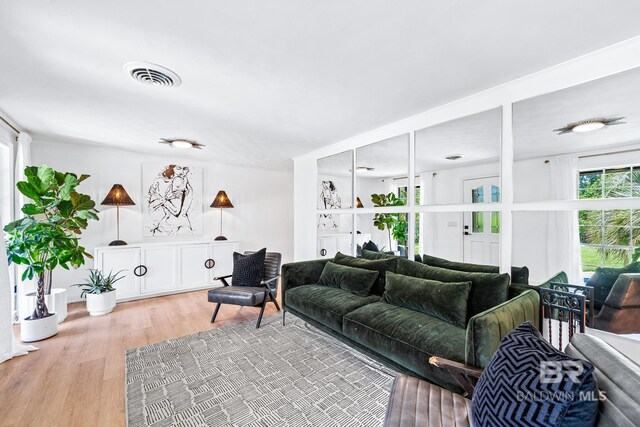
x,y
250,296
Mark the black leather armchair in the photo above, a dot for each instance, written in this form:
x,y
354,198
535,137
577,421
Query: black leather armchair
x,y
250,296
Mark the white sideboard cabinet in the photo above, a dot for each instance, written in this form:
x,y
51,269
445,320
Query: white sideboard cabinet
x,y
152,269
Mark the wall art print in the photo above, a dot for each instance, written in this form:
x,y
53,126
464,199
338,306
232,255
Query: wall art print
x,y
172,199
329,199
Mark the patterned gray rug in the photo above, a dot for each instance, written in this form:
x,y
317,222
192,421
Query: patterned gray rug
x,y
292,375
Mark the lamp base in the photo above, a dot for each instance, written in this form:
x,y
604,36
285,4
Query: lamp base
x,y
220,238
118,243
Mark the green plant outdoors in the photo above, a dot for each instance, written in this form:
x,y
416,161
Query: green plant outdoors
x,y
48,235
99,283
396,224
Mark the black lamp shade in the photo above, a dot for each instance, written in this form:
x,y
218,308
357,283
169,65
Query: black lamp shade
x,y
117,197
221,201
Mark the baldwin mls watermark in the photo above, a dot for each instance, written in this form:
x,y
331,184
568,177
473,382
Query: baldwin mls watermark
x,y
556,372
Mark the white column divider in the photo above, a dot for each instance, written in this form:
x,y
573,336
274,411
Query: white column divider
x,y
506,183
354,204
411,197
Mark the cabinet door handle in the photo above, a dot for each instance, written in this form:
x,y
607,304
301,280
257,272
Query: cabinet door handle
x,y
209,264
323,252
140,271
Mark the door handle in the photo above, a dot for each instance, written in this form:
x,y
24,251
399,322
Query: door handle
x,y
142,271
209,264
323,252
466,233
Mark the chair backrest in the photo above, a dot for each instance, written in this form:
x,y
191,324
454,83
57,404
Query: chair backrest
x,y
618,377
272,264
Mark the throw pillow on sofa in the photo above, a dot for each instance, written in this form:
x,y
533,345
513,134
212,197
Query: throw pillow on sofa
x,y
358,281
446,301
248,269
604,278
487,289
379,265
370,246
383,255
518,274
528,382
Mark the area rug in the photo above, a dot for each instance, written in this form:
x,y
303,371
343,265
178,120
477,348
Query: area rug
x,y
237,375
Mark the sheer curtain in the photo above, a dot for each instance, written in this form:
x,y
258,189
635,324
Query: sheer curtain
x,y
563,239
9,346
23,159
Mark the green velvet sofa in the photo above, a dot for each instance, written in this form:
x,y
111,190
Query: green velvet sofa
x,y
398,336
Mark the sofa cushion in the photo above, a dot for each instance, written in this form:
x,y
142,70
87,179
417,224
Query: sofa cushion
x,y
379,265
324,304
373,255
446,301
358,281
603,279
407,337
530,380
518,274
487,289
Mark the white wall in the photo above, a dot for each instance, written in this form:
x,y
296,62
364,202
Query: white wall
x,y
263,200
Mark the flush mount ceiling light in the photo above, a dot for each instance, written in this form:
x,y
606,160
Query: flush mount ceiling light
x,y
363,169
181,143
153,74
454,157
589,125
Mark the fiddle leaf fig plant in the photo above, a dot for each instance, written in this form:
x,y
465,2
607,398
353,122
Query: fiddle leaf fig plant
x,y
48,235
395,223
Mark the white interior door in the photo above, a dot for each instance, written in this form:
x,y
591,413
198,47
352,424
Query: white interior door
x,y
482,229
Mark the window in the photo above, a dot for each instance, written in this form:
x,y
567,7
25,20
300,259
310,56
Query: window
x,y
609,237
402,194
6,182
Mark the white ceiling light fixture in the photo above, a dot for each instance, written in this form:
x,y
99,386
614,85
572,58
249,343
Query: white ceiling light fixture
x,y
363,169
589,125
453,157
152,74
181,143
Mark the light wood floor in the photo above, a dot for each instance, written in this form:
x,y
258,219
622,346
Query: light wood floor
x,y
77,377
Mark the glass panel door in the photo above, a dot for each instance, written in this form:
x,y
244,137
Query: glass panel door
x,y
481,229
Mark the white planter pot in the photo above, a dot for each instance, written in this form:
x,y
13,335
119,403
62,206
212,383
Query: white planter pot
x,y
56,303
99,304
40,329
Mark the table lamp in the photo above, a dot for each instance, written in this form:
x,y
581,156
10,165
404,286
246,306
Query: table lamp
x,y
221,201
117,197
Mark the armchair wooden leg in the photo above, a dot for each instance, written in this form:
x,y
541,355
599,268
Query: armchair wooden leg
x,y
273,298
264,304
215,312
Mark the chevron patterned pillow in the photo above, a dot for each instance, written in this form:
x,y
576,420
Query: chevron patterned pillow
x,y
529,383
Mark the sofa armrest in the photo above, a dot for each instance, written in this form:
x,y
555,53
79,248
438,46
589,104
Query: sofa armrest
x,y
301,273
485,330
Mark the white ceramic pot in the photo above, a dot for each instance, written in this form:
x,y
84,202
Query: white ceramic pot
x,y
56,302
99,304
39,329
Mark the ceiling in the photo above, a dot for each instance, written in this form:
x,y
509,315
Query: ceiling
x,y
613,96
266,81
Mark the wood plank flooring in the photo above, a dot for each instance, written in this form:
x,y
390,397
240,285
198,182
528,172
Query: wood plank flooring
x,y
77,377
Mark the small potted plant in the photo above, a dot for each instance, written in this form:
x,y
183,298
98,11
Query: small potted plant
x,y
99,291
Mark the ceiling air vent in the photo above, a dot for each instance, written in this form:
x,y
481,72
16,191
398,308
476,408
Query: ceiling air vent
x,y
152,74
